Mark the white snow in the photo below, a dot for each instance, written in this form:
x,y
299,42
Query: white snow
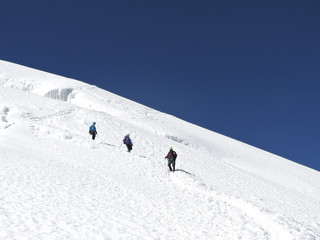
x,y
56,183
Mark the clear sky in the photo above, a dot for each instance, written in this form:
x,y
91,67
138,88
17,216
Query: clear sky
x,y
249,70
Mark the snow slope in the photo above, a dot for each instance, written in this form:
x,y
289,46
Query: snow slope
x,y
56,183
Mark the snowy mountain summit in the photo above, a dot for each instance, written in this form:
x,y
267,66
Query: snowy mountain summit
x,y
57,183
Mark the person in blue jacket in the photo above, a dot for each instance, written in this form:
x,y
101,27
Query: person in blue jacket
x,y
127,141
93,130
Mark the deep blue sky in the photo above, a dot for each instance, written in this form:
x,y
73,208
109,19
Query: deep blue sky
x,y
246,69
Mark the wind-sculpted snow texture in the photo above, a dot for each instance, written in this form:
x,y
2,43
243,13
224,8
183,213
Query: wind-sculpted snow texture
x,y
56,183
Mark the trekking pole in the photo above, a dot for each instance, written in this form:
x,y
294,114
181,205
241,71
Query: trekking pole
x,y
120,145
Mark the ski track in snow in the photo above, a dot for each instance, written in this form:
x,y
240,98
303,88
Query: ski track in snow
x,y
56,183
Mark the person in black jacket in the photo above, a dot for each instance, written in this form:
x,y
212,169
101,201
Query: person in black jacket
x,y
171,156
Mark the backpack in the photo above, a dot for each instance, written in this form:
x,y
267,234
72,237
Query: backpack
x,y
174,155
127,140
91,130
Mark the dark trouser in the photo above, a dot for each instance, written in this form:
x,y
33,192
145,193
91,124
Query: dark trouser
x,y
129,146
93,136
173,163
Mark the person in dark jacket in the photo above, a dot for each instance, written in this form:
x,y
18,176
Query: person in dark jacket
x,y
127,141
171,156
93,130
